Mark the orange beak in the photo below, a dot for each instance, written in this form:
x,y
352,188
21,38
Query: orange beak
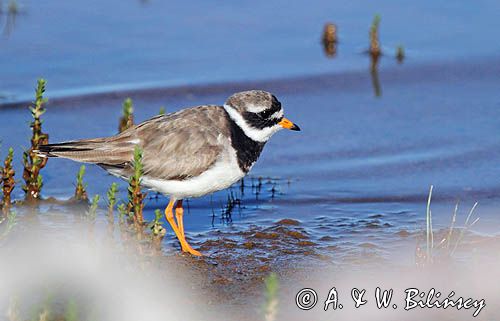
x,y
285,123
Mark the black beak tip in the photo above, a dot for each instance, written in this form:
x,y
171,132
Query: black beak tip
x,y
295,127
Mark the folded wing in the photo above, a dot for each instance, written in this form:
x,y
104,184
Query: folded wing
x,y
175,146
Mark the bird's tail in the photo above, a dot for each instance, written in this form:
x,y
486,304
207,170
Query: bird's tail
x,y
96,151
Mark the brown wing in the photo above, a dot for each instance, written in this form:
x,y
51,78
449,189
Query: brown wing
x,y
175,146
183,144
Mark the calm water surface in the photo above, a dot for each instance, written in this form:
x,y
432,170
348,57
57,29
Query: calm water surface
x,y
360,170
89,46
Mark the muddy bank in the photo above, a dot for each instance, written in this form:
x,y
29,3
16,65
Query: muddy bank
x,y
229,280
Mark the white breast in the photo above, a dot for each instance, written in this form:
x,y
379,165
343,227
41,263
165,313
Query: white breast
x,y
221,175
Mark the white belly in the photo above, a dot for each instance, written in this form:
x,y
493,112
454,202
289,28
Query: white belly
x,y
224,173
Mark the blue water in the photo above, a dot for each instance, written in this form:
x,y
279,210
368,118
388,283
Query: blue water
x,y
89,46
362,166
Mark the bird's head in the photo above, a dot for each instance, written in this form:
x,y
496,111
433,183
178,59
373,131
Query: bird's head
x,y
258,113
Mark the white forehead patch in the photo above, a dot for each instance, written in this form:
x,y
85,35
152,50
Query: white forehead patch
x,y
255,108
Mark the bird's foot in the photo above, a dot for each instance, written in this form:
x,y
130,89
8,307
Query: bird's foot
x,y
187,248
192,251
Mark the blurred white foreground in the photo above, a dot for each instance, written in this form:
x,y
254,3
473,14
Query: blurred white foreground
x,y
44,276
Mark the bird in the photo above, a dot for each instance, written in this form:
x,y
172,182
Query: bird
x,y
189,153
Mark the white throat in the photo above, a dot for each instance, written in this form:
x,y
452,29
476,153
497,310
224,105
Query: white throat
x,y
259,135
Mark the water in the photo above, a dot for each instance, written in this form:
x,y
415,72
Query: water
x,y
359,171
92,45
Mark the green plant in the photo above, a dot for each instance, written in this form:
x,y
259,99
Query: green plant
x,y
329,33
122,211
31,161
113,189
135,204
162,111
156,227
157,230
7,174
92,212
80,190
428,223
375,49
271,284
465,228
447,245
329,39
123,219
452,226
127,119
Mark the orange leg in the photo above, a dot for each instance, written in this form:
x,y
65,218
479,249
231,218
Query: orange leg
x,y
179,212
169,215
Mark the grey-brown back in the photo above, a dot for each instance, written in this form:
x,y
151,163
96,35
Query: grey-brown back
x,y
175,146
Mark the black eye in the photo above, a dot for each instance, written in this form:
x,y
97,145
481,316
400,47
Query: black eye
x,y
275,107
266,113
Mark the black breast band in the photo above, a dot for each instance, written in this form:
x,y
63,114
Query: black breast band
x,y
247,149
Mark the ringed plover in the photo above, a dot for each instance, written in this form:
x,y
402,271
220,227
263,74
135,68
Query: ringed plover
x,y
189,153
